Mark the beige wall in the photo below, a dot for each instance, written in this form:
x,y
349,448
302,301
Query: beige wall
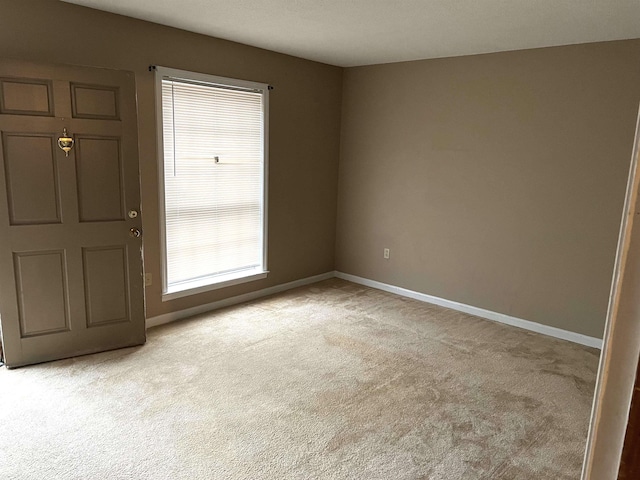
x,y
304,123
496,180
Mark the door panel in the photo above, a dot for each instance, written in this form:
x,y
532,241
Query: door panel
x,y
29,162
70,273
26,96
95,101
105,276
100,177
41,282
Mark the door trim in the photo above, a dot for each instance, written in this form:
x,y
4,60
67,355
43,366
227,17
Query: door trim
x,y
621,347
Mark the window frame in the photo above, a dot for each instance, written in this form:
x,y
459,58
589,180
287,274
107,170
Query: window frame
x,y
196,287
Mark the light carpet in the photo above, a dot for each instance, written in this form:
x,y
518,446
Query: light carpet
x,y
328,381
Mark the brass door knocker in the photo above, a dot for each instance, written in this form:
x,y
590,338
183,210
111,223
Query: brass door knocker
x,y
65,142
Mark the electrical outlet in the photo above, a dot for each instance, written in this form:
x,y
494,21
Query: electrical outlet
x,y
386,253
148,279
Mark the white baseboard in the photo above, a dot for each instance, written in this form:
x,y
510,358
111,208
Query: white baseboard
x,y
423,297
189,312
479,312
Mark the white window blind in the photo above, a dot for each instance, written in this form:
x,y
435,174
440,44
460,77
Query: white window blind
x,y
213,142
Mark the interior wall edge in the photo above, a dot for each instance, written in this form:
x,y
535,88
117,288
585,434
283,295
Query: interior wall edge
x,y
619,359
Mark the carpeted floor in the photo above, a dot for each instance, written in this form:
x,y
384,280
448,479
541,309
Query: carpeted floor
x,y
329,381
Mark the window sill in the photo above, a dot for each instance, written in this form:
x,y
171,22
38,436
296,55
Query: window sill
x,y
193,288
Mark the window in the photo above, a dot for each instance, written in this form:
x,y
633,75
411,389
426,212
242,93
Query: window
x,y
213,170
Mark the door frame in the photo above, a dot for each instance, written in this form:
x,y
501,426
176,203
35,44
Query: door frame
x,y
621,343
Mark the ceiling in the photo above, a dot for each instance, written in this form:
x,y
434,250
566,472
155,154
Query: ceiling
x,y
362,32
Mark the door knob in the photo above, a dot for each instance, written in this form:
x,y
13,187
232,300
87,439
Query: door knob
x,y
134,232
